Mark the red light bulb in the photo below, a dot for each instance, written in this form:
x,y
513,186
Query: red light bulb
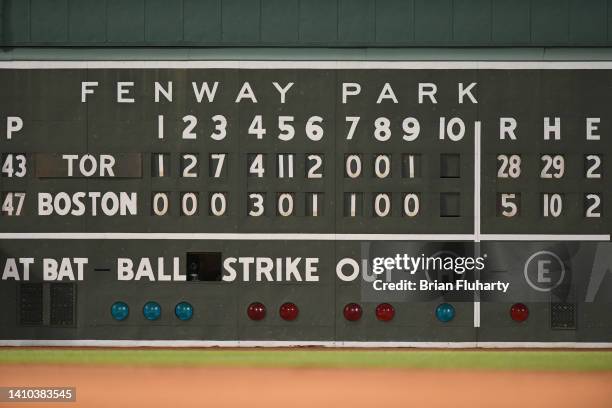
x,y
385,312
352,312
256,311
519,312
288,311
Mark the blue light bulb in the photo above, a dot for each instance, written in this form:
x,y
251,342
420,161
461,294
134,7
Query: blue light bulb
x,y
120,311
445,312
183,311
151,310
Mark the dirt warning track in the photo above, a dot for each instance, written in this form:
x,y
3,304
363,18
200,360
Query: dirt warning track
x,y
119,386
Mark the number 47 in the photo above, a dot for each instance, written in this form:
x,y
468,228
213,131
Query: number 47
x,y
13,203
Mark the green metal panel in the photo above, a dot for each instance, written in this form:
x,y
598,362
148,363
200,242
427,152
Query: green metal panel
x,y
125,21
16,22
510,22
164,21
394,21
609,14
85,24
356,21
306,23
279,21
318,21
587,24
49,21
472,21
549,21
433,21
241,21
202,21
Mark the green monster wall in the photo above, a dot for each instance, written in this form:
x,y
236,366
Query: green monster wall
x,y
306,23
529,62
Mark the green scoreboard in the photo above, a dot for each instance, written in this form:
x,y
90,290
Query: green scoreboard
x,y
305,202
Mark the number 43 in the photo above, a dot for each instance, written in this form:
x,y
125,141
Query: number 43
x,y
14,165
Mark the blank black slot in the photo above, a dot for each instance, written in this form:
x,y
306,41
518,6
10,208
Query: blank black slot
x,y
204,266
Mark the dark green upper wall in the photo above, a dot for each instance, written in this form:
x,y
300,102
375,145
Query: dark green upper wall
x,y
295,23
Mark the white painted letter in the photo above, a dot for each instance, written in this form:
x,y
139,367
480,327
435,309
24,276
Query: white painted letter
x,y
85,90
350,89
205,90
506,128
246,92
548,128
282,91
428,89
13,124
387,93
591,126
122,91
467,92
159,89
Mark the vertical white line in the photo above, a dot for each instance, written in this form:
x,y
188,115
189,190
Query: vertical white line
x,y
477,181
160,126
477,170
477,306
160,165
411,163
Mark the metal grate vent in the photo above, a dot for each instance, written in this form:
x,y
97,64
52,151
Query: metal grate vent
x,y
563,316
62,304
30,304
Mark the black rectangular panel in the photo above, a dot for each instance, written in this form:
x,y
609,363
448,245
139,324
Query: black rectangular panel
x,y
62,304
30,303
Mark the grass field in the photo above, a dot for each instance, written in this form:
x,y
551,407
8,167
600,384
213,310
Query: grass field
x,y
431,359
